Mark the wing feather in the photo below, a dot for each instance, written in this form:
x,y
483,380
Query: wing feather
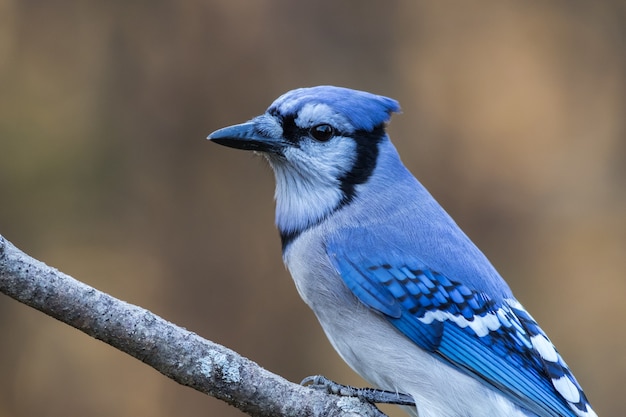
x,y
490,340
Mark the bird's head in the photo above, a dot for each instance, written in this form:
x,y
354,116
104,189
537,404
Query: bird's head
x,y
322,143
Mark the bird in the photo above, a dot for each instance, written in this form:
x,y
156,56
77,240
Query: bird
x,y
404,296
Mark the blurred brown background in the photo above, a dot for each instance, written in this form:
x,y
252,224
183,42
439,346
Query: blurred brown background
x,y
514,118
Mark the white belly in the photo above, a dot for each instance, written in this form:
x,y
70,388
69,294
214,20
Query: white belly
x,y
371,346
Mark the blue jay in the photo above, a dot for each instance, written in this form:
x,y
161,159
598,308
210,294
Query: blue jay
x,y
403,295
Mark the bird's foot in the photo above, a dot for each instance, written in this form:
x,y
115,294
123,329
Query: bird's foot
x,y
370,395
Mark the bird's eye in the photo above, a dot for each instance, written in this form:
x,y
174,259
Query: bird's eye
x,y
323,132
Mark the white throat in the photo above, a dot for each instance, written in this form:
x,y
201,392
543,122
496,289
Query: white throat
x,y
303,198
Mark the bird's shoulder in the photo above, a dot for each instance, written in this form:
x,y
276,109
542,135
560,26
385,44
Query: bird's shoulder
x,y
448,299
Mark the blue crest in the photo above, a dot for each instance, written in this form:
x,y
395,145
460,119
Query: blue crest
x,y
364,110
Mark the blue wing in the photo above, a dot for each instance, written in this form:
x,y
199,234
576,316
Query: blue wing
x,y
495,341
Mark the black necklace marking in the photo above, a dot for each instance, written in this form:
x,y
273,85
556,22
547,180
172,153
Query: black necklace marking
x,y
367,156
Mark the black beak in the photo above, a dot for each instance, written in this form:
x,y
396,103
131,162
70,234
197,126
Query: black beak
x,y
247,136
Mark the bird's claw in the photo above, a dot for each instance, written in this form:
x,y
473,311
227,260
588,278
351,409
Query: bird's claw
x,y
370,395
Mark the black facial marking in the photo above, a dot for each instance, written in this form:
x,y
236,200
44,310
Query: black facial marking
x,y
367,155
291,132
287,237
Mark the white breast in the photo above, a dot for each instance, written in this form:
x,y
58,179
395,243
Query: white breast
x,y
377,351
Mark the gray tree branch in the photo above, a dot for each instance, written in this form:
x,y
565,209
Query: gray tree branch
x,y
175,352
